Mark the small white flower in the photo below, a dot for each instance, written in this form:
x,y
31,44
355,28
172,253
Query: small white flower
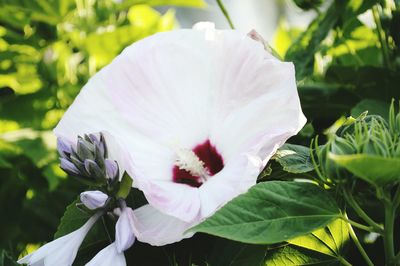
x,y
124,236
93,199
108,256
63,250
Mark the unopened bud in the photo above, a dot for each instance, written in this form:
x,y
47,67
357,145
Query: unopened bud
x,y
111,168
68,167
93,199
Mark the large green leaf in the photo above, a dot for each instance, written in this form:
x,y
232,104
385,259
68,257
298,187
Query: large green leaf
x,y
294,158
329,240
272,212
289,255
322,247
373,169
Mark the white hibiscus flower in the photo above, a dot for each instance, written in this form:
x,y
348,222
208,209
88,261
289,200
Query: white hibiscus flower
x,y
199,113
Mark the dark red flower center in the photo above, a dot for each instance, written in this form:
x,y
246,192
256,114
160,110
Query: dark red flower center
x,y
213,163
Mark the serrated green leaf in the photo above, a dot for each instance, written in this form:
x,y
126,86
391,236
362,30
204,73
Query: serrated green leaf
x,y
294,158
289,255
376,170
272,212
329,240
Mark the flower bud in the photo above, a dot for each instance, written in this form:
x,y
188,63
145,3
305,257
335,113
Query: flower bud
x,y
64,147
93,169
111,169
93,199
68,167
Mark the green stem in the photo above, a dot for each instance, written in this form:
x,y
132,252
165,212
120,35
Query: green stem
x,y
344,262
360,212
396,198
388,233
359,246
223,10
381,37
358,225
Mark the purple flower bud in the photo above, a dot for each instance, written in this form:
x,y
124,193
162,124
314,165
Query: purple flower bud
x,y
93,169
124,235
85,149
68,167
93,199
111,168
64,147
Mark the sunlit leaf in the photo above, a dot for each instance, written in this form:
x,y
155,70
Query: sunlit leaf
x,y
373,169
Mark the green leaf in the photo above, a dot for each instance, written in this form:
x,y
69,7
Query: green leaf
x,y
322,247
329,240
272,212
125,186
376,170
289,255
6,260
294,158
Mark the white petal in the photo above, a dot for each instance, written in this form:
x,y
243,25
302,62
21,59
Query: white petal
x,y
61,251
256,104
178,200
158,229
108,256
124,236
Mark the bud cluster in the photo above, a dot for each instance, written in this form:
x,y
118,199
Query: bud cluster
x,y
368,134
87,160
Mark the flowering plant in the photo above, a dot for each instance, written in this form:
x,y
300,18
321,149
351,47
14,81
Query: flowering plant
x,y
191,145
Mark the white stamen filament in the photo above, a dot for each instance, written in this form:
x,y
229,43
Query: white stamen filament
x,y
188,160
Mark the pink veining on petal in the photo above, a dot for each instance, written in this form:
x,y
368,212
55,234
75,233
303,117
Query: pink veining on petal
x,y
211,158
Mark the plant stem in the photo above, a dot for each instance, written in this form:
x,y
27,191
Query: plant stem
x,y
360,212
396,198
223,10
388,233
358,225
359,246
381,37
344,262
